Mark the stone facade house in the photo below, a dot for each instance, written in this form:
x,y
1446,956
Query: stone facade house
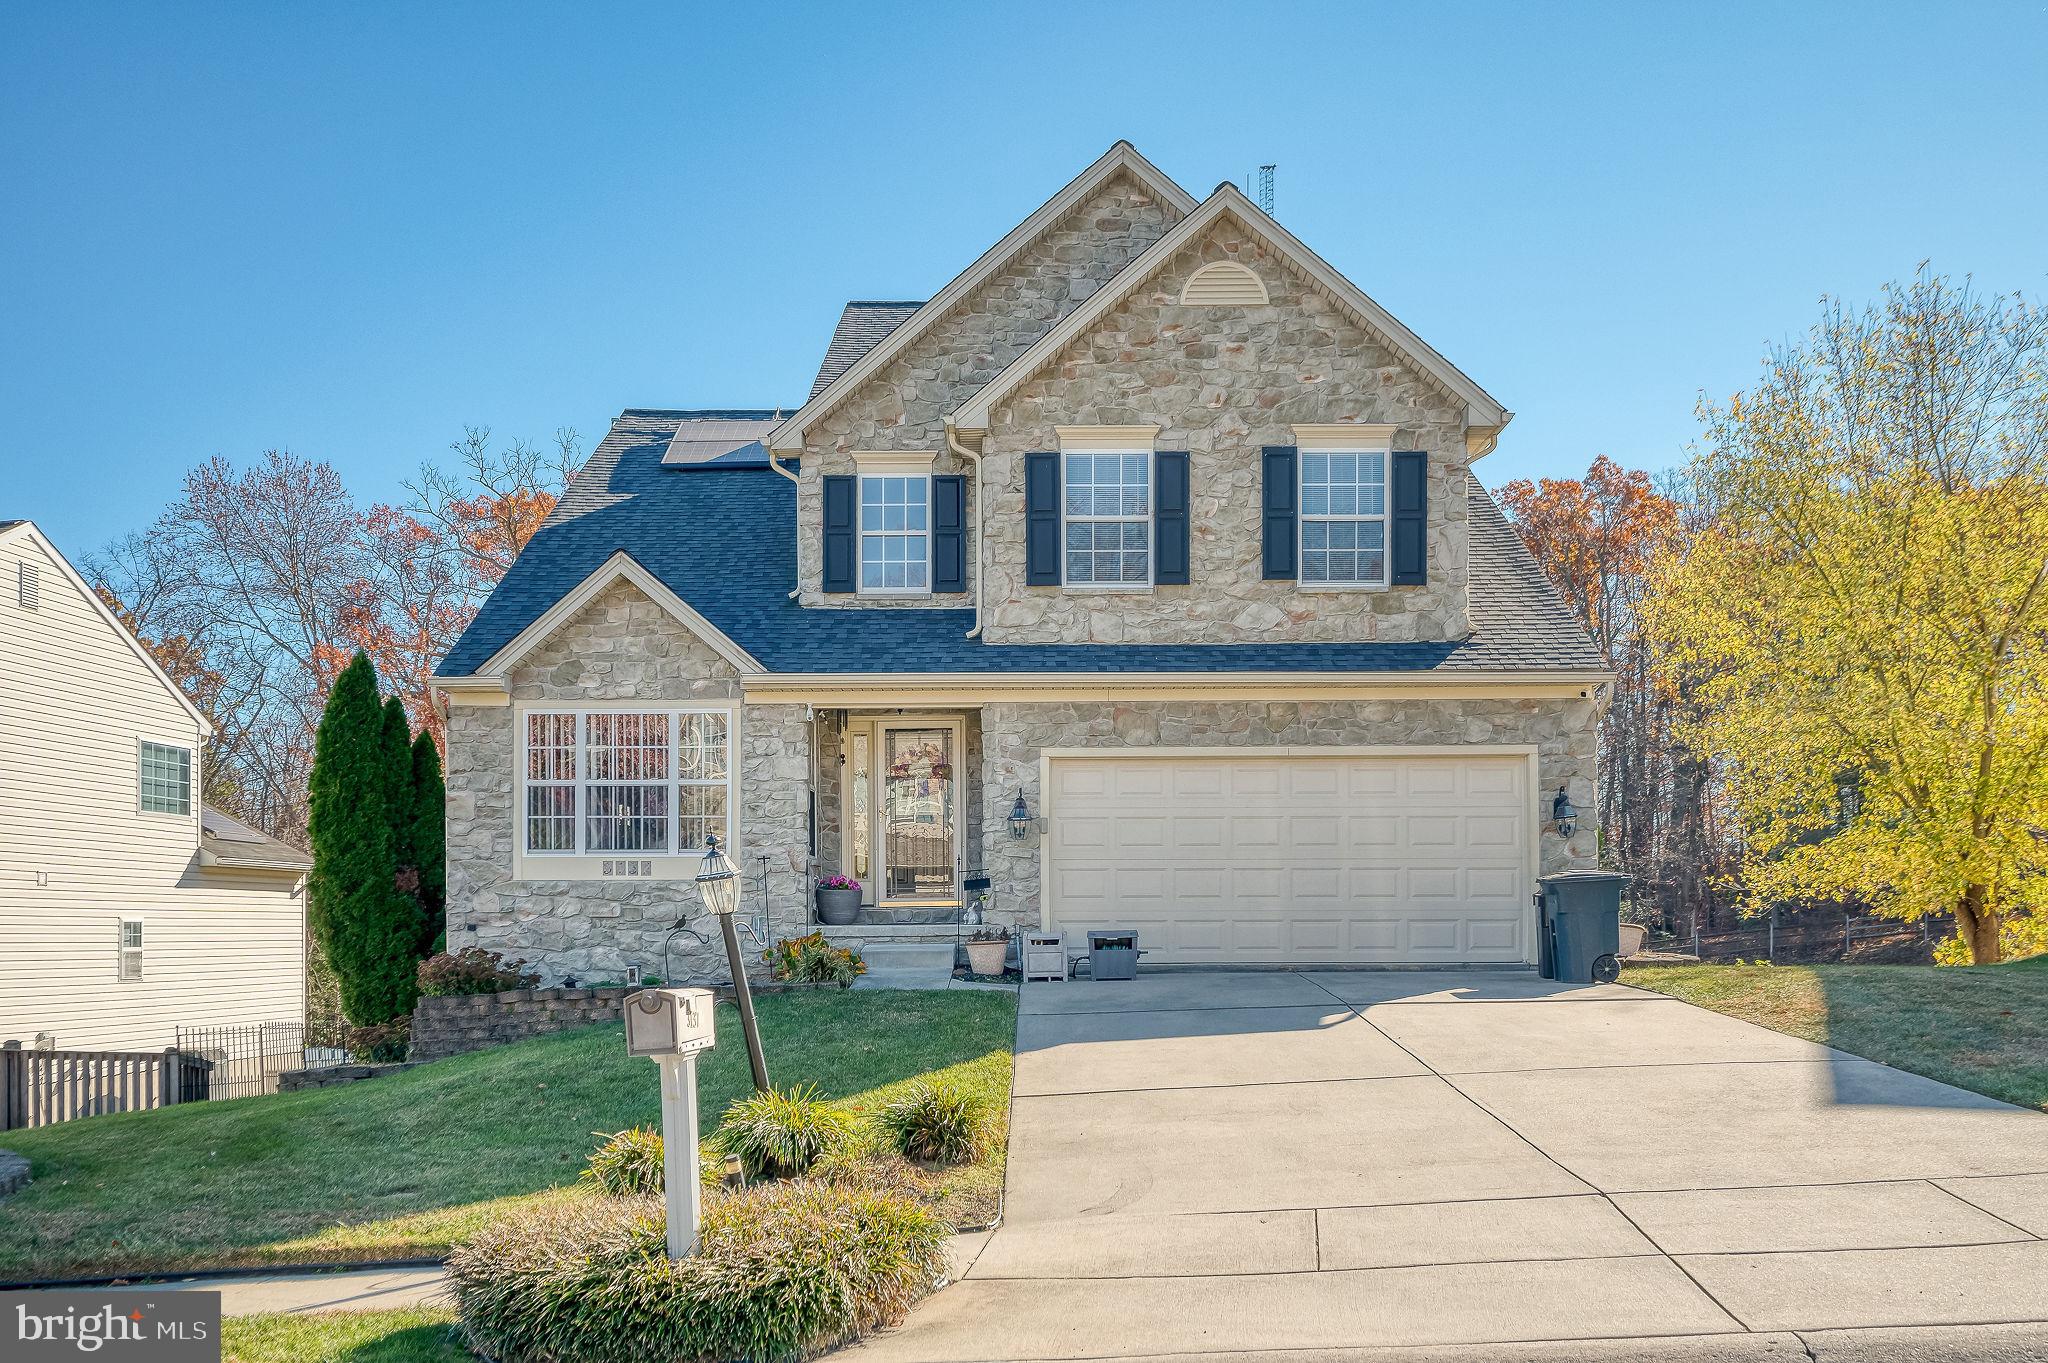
x,y
1141,572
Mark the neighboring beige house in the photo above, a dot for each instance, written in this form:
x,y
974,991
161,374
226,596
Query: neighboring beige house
x,y
127,908
1149,529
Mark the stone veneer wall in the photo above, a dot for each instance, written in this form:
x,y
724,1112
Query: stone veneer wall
x,y
903,407
621,647
1016,733
1220,383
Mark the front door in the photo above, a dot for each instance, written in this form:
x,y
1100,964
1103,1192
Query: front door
x,y
917,827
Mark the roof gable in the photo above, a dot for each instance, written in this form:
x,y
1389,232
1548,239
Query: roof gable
x,y
1482,410
12,531
863,324
1121,159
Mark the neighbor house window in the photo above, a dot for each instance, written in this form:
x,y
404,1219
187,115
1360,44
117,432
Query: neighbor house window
x,y
895,534
1344,518
1109,519
166,779
654,782
131,949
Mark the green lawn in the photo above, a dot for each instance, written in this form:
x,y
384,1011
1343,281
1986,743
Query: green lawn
x,y
404,1165
1982,1028
422,1335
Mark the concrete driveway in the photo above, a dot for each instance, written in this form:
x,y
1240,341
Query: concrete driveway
x,y
1330,1165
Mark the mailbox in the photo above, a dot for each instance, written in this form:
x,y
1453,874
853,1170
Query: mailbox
x,y
668,1022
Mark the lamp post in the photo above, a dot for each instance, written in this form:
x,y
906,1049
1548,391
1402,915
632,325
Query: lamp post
x,y
719,884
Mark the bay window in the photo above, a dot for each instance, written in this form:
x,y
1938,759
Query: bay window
x,y
649,782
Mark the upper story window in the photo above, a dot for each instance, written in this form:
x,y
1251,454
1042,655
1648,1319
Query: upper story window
x,y
1344,518
166,779
654,782
895,532
1109,519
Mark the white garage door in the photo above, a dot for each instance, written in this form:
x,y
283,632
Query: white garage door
x,y
1294,859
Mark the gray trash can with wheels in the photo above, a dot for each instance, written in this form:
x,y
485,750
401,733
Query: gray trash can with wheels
x,y
1112,955
1580,926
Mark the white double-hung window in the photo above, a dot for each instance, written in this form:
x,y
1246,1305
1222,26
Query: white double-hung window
x,y
1106,475
648,782
895,523
1344,506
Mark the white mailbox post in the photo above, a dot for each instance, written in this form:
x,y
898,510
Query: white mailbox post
x,y
674,1026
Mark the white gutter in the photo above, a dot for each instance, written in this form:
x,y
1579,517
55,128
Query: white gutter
x,y
776,464
953,444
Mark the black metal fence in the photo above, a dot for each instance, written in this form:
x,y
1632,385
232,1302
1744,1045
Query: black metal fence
x,y
248,1059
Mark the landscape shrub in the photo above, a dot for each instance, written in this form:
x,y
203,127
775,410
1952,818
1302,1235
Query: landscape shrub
x,y
472,970
811,959
383,1043
937,1122
629,1162
780,1134
782,1271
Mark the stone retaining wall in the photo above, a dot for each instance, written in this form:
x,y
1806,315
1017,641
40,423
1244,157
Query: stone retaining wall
x,y
291,1081
460,1023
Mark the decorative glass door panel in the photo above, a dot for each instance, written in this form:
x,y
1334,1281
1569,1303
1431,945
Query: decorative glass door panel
x,y
860,793
918,834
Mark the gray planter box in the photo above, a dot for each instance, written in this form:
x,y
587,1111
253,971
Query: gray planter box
x,y
838,907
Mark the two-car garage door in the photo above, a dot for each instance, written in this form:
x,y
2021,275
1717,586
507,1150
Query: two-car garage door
x,y
1293,859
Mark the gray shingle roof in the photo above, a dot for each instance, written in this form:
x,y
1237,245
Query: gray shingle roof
x,y
862,326
237,844
736,564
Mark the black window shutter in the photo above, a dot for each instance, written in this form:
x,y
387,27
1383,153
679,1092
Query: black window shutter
x,y
1041,520
949,533
1170,518
1411,518
840,504
1279,512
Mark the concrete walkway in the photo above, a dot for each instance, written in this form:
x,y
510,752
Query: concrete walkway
x,y
1305,1166
369,1289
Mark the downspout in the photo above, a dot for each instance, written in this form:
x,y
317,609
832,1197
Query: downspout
x,y
953,444
776,464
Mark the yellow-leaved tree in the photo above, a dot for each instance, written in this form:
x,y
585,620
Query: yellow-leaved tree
x,y
1865,617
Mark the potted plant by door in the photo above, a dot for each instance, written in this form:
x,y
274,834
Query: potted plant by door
x,y
838,900
986,949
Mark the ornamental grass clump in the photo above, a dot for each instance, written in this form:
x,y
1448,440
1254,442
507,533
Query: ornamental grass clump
x,y
628,1162
782,1271
936,1122
782,1133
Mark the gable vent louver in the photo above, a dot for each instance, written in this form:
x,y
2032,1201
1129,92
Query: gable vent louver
x,y
28,585
1224,284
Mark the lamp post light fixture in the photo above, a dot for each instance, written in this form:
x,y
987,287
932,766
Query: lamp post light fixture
x,y
719,884
1020,817
1564,814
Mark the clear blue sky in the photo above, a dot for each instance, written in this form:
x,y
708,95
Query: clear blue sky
x,y
348,230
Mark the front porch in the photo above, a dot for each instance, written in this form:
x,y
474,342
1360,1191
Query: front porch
x,y
900,809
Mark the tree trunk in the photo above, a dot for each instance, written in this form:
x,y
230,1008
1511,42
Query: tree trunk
x,y
1977,925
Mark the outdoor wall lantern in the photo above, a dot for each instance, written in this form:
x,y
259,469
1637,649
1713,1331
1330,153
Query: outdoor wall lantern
x,y
1020,817
719,884
1564,814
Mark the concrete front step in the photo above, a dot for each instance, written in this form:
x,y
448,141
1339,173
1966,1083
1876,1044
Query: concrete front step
x,y
907,965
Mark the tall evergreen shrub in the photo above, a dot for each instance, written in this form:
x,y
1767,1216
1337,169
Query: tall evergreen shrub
x,y
368,928
429,841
